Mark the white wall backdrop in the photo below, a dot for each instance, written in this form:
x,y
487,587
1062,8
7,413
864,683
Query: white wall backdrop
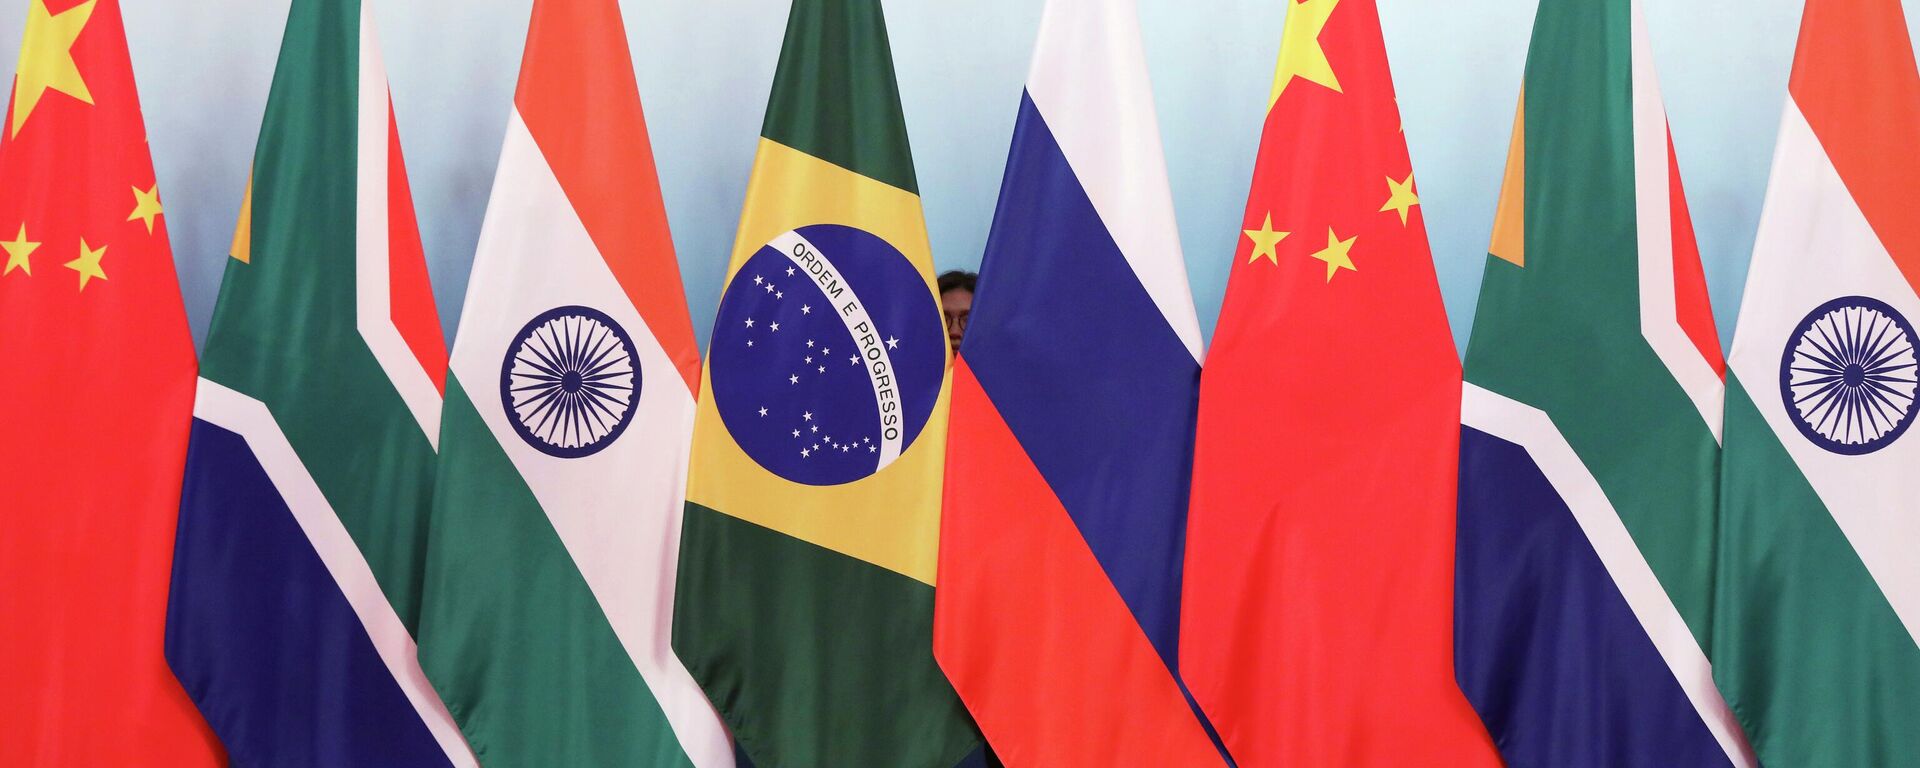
x,y
705,67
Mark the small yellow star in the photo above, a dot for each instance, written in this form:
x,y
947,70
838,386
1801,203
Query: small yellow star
x,y
1400,197
88,265
18,251
146,206
1300,52
46,59
1335,254
1264,239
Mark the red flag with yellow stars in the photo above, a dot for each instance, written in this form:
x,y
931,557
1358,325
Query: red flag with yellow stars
x,y
94,411
1317,620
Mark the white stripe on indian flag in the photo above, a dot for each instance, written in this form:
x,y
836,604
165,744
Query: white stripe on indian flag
x,y
1653,212
250,419
617,511
1814,246
1532,429
372,281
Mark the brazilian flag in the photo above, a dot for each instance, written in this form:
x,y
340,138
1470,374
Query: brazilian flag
x,y
805,599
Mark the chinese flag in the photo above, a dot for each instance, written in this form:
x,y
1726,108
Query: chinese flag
x,y
94,410
1317,621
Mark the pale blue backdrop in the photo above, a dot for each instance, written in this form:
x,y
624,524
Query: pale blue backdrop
x,y
704,68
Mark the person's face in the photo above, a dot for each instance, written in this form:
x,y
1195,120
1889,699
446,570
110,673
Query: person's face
x,y
956,305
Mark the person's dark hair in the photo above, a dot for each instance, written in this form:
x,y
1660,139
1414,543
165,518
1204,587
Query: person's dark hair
x,y
958,279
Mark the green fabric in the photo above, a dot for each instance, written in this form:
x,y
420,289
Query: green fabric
x,y
834,95
284,329
739,630
1563,333
1813,659
512,636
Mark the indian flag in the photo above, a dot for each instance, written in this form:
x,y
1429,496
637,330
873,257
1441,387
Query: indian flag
x,y
556,522
805,603
1818,590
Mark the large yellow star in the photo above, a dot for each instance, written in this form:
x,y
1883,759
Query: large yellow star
x,y
1335,254
18,251
1264,239
88,265
1300,52
46,58
146,206
1400,197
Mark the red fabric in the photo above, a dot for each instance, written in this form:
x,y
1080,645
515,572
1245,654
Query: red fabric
x,y
1317,619
579,99
94,412
1854,80
1016,560
1692,307
412,305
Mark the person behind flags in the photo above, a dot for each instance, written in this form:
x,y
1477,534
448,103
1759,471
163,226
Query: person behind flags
x,y
297,570
956,302
1317,623
1591,412
805,598
95,411
550,568
1059,601
1817,595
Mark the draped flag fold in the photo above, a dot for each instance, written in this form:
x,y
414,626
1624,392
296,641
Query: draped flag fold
x,y
805,598
1317,624
297,571
1591,415
549,581
94,411
1058,611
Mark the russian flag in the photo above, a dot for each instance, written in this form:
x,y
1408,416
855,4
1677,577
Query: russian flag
x,y
1058,600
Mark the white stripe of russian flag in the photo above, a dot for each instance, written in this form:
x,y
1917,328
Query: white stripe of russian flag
x,y
1104,122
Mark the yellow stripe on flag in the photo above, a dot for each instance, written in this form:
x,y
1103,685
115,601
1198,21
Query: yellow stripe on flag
x,y
243,229
1509,216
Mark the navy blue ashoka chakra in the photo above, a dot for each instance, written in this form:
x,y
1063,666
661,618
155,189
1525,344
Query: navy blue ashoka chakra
x,y
570,381
1847,375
